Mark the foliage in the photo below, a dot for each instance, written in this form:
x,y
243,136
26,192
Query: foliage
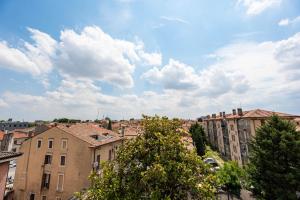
x,y
198,136
66,120
230,177
274,169
209,153
155,165
109,127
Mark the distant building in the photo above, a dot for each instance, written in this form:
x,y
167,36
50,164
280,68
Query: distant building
x,y
10,125
5,158
230,133
11,141
56,163
297,122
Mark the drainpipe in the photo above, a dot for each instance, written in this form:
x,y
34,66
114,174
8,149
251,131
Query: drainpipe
x,y
27,164
94,159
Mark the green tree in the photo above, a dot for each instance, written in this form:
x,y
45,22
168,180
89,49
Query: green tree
x,y
274,169
109,127
230,177
198,137
154,165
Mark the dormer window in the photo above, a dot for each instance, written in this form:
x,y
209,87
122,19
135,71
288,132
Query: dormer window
x,y
96,137
102,137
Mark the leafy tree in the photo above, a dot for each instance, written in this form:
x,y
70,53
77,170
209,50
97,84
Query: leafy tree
x,y
230,178
154,165
109,127
198,137
274,169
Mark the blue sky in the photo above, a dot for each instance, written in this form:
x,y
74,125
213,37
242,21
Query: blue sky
x,y
128,57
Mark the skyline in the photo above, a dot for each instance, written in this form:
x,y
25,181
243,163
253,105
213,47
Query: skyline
x,y
128,57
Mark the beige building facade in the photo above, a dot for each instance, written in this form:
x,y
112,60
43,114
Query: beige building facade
x,y
57,162
230,133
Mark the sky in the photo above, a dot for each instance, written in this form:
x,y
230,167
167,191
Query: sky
x,y
124,58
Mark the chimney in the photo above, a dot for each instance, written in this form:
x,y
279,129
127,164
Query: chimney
x,y
122,130
213,115
240,111
224,114
233,111
221,114
208,117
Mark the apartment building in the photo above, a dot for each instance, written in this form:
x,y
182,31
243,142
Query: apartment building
x,y
57,162
11,125
230,133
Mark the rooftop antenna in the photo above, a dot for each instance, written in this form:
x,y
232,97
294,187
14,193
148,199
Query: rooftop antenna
x,y
97,113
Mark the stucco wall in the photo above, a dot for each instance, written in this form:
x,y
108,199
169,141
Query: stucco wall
x,y
79,160
3,175
234,144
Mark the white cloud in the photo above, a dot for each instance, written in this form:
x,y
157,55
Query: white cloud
x,y
95,55
286,21
287,52
211,82
250,74
175,19
3,103
174,75
255,7
91,54
247,74
33,58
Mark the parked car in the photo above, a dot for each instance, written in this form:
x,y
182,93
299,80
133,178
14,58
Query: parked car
x,y
213,163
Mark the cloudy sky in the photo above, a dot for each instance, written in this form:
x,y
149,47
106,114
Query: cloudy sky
x,y
123,58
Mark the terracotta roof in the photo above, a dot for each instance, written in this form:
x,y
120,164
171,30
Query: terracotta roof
x,y
91,133
25,130
4,155
1,135
130,131
19,135
259,113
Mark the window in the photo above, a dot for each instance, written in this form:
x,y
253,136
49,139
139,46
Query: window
x,y
109,155
98,162
48,159
46,181
50,143
233,138
44,197
64,143
32,195
231,127
39,143
58,198
60,183
234,148
62,160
